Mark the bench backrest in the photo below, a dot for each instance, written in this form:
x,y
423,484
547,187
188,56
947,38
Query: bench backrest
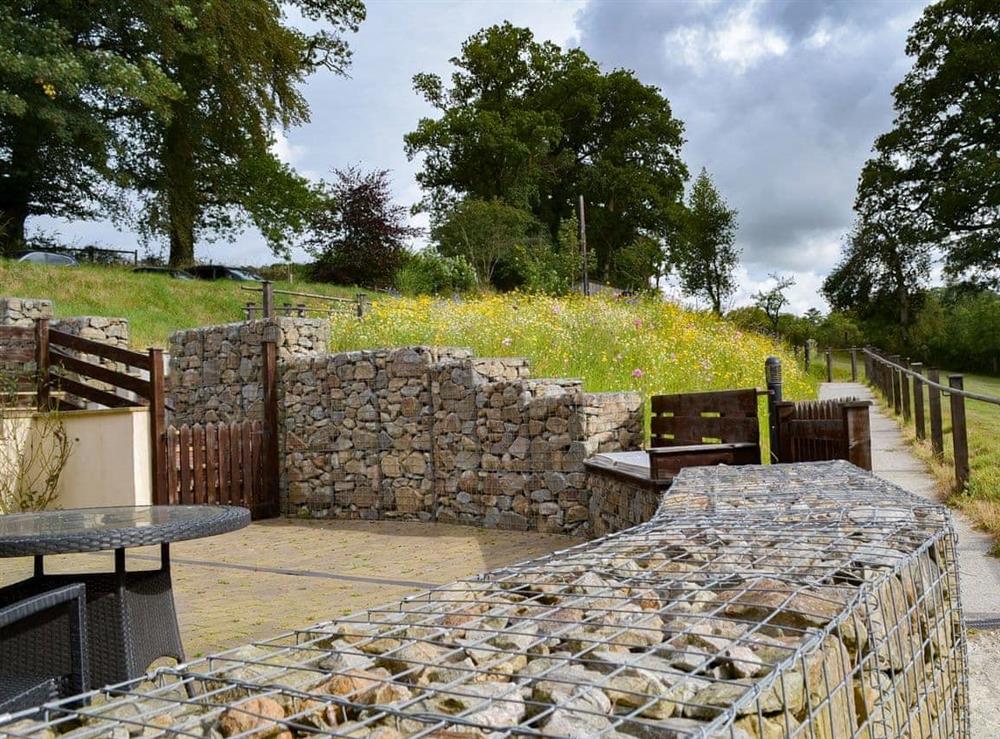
x,y
687,419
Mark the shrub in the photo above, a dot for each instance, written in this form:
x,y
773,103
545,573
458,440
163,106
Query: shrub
x,y
430,273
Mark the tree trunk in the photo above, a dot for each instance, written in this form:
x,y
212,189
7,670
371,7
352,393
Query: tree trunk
x,y
16,187
181,193
12,219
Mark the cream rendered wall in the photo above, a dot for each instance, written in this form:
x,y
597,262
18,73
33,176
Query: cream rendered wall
x,y
110,460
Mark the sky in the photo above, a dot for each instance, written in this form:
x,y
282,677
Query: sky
x,y
781,102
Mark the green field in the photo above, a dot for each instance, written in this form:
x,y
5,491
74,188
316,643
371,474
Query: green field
x,y
154,304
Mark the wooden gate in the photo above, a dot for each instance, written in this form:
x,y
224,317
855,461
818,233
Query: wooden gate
x,y
216,464
817,430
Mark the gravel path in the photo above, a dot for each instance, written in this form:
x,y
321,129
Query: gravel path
x,y
892,460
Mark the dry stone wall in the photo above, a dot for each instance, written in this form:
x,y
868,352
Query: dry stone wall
x,y
215,371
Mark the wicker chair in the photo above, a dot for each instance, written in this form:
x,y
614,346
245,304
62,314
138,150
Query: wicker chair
x,y
33,667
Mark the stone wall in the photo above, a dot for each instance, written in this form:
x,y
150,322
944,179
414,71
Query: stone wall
x,y
215,371
618,503
23,311
436,434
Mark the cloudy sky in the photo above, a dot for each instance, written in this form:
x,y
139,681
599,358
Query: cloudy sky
x,y
781,101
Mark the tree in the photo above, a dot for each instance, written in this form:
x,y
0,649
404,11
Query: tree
x,y
361,235
944,141
209,167
69,74
771,301
535,127
887,255
704,255
485,232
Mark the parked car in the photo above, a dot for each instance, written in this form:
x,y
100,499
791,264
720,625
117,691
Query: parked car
x,y
219,272
46,257
177,274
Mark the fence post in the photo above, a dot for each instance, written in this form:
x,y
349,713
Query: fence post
x,y
268,300
854,364
360,298
918,400
934,404
251,308
270,506
772,378
806,353
959,435
857,433
42,363
301,310
904,388
897,389
829,364
157,426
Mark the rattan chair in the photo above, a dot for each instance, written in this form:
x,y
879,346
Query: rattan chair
x,y
34,668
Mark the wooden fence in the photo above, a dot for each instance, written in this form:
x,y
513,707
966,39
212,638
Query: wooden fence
x,y
216,464
358,305
816,430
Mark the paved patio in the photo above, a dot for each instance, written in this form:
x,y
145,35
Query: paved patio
x,y
283,574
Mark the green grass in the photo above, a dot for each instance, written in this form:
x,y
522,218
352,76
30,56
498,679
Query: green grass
x,y
646,345
154,304
981,497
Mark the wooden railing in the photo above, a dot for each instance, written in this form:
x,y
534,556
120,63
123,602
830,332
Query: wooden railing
x,y
816,430
329,304
902,382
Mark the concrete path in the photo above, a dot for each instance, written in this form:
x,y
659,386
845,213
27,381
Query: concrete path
x,y
893,461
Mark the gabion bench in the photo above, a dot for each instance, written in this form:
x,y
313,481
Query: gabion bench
x,y
789,600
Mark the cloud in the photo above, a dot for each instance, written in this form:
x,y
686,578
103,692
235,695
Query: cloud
x,y
781,102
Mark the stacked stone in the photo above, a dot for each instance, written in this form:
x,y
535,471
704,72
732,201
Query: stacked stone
x,y
21,312
215,371
434,433
618,503
759,602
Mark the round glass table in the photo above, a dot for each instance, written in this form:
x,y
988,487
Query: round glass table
x,y
131,620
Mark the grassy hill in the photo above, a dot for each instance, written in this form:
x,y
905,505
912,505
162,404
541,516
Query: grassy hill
x,y
154,304
646,345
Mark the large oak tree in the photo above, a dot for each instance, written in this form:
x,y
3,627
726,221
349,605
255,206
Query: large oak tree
x,y
535,126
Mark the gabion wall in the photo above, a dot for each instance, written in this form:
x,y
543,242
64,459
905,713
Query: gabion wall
x,y
808,600
433,433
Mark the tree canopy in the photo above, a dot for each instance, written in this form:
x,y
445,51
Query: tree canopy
x,y
534,126
940,163
704,255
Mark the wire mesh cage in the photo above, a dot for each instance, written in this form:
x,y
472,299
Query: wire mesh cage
x,y
790,600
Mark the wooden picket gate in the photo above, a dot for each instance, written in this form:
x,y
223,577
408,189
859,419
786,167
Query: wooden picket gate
x,y
217,464
816,430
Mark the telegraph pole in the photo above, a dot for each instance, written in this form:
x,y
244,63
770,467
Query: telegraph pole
x,y
583,248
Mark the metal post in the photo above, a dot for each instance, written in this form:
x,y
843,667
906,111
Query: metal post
x,y
269,505
918,400
42,363
829,364
772,377
934,405
583,248
959,435
158,426
854,364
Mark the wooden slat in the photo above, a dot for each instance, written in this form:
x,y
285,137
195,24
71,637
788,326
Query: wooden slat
x,y
106,351
824,430
212,463
678,430
19,354
198,464
171,455
17,332
234,463
725,403
224,464
246,468
102,374
91,393
185,465
256,466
